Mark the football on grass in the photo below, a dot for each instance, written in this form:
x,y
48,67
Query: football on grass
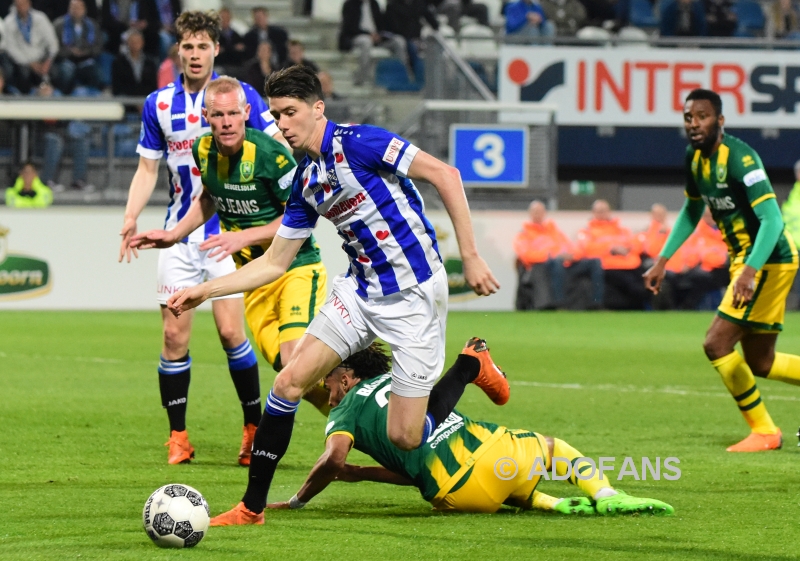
x,y
176,515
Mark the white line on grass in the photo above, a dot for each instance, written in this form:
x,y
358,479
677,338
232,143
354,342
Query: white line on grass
x,y
619,388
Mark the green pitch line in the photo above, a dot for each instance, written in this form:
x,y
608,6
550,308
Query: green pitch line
x,y
81,434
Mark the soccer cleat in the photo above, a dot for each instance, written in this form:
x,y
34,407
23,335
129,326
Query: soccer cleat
x,y
622,503
757,442
248,434
238,516
181,450
575,505
490,379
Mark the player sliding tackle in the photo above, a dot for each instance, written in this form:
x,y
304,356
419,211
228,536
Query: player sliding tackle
x,y
727,175
359,177
466,465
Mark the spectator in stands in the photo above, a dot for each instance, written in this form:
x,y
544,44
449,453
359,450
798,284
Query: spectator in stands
x,y
328,91
231,44
721,20
170,69
133,73
567,15
28,190
257,72
142,15
683,18
652,240
297,55
31,45
363,28
618,250
454,9
81,42
262,32
168,12
55,9
783,22
547,264
526,18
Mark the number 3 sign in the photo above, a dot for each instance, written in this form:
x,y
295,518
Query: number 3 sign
x,y
490,155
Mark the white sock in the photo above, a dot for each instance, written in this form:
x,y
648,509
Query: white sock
x,y
604,493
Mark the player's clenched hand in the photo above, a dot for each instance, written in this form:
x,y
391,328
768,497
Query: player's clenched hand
x,y
654,276
127,232
153,238
744,287
479,277
186,299
225,244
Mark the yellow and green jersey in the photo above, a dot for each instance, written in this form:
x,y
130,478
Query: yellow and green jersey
x,y
362,416
732,182
250,188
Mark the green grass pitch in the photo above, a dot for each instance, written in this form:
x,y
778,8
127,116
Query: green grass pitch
x,y
81,434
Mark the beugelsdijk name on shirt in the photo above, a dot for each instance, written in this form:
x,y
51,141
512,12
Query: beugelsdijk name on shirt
x,y
507,468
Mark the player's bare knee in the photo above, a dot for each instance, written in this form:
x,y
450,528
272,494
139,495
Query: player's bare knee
x,y
176,341
715,348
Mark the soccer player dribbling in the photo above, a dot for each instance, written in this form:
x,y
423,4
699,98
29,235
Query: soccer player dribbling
x,y
359,177
727,175
171,120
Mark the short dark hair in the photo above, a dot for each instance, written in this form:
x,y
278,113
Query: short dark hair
x,y
370,363
297,81
197,21
708,95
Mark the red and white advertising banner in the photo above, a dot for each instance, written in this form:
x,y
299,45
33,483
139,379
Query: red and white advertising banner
x,y
639,86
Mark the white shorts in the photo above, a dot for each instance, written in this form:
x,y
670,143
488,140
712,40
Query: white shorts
x,y
412,322
184,265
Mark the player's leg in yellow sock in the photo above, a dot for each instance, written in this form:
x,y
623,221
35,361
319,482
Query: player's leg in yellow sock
x,y
591,484
739,380
785,368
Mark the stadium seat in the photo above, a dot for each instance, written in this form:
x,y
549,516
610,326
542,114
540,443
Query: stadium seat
x,y
390,73
751,18
633,36
642,15
477,42
593,34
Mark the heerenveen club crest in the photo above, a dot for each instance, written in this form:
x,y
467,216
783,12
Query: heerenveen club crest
x,y
21,276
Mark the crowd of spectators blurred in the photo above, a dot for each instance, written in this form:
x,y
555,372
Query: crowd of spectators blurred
x,y
602,268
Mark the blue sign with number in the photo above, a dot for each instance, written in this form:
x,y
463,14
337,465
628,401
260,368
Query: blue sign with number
x,y
491,155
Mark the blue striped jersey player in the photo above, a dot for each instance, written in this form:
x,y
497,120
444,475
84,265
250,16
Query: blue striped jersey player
x,y
172,118
395,289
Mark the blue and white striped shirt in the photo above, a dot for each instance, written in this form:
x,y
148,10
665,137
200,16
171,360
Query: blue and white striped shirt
x,y
172,119
359,183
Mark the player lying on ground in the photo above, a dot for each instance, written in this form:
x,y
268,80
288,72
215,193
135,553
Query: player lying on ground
x,y
466,465
247,176
359,177
727,175
172,118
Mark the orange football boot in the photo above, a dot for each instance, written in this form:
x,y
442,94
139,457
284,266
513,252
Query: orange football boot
x,y
238,516
490,379
248,434
757,442
181,450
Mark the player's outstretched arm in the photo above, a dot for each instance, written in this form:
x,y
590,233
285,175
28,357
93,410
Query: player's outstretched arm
x,y
200,211
323,473
228,243
447,181
264,270
142,185
377,474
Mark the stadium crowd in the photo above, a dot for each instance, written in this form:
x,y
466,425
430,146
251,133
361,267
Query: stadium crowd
x,y
602,268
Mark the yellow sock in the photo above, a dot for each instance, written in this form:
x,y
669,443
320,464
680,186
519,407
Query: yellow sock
x,y
739,380
543,501
785,368
591,485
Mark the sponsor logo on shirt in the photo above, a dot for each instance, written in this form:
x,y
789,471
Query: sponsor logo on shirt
x,y
754,177
234,187
393,150
720,203
180,145
177,116
235,206
281,160
345,207
443,431
748,160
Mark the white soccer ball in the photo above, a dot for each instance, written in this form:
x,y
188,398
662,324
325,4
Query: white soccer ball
x,y
176,515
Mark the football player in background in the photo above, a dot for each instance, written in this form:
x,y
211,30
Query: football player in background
x,y
727,175
247,177
171,120
465,465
